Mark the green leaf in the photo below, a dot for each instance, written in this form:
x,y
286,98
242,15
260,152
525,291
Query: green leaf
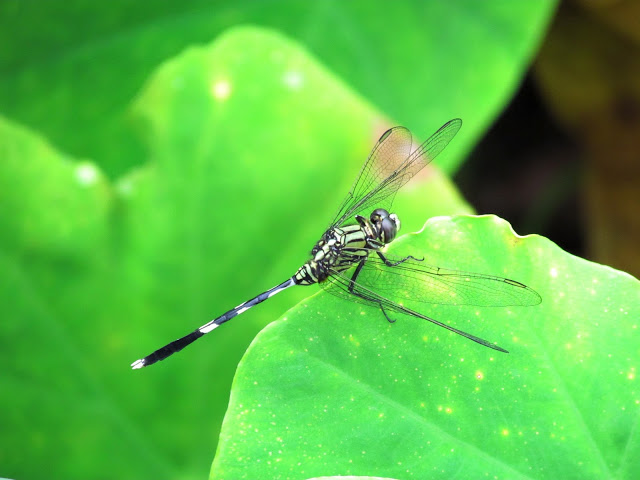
x,y
334,389
252,145
350,477
69,69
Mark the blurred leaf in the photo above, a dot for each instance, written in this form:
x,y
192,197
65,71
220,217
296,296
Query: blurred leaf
x,y
350,477
99,273
69,69
332,388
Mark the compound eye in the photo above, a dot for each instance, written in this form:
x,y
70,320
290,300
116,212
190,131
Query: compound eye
x,y
377,214
389,229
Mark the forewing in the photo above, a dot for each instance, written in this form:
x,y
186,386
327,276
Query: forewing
x,y
393,168
393,148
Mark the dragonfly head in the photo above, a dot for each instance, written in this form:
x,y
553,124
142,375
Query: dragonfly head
x,y
386,225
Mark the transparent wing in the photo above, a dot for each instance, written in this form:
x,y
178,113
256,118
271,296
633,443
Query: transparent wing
x,y
339,284
389,166
414,281
392,149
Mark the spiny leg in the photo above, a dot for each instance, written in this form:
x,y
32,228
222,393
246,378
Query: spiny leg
x,y
377,245
389,263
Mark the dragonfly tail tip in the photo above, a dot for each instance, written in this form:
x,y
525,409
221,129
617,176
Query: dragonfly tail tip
x,y
138,364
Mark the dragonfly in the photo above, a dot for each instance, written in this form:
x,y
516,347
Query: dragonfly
x,y
350,261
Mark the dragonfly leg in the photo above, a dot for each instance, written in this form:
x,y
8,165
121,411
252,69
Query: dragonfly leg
x,y
352,282
377,245
385,314
352,290
389,263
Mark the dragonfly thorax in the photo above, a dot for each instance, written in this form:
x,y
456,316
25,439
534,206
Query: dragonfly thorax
x,y
340,248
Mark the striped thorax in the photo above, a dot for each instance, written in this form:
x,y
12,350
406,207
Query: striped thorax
x,y
342,247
